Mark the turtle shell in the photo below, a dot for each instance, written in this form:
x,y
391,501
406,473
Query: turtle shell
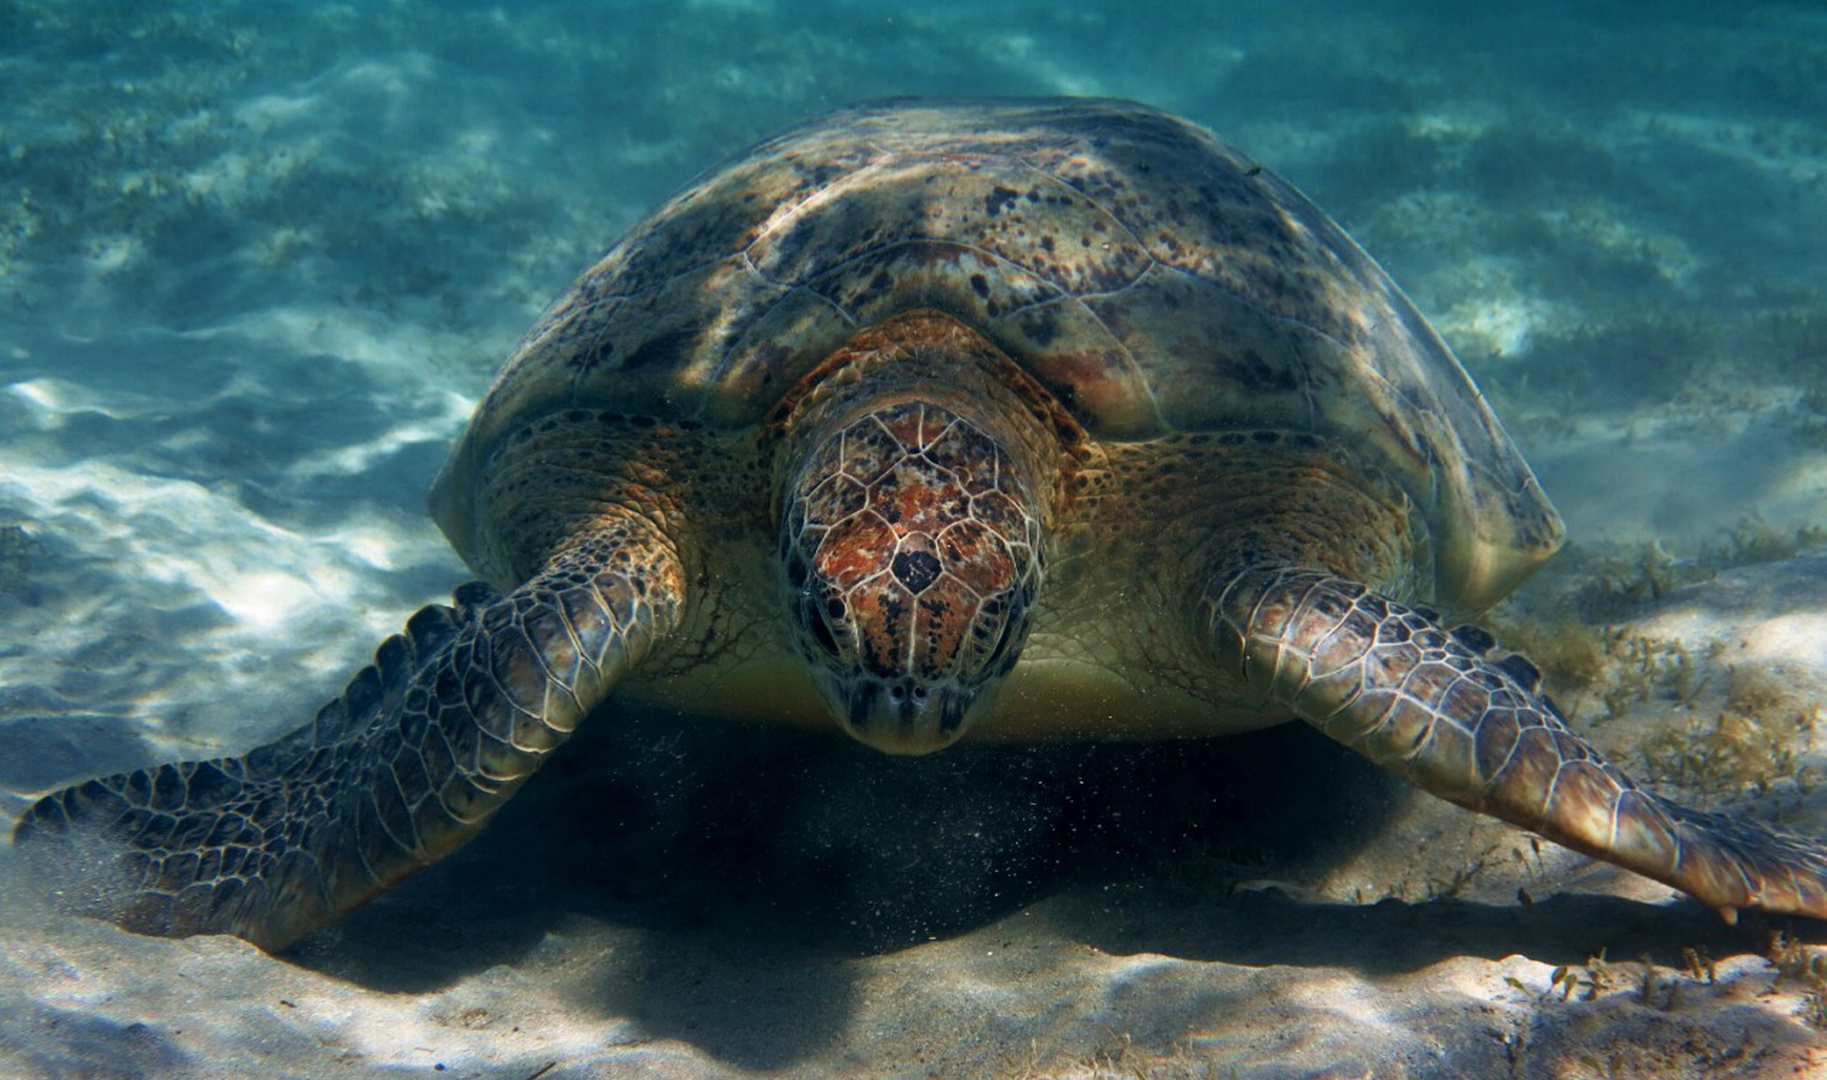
x,y
1152,277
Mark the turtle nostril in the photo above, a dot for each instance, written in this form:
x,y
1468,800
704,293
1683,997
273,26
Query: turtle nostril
x,y
919,695
897,694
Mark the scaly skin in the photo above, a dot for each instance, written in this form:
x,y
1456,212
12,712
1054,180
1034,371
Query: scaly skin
x,y
1448,712
399,771
913,544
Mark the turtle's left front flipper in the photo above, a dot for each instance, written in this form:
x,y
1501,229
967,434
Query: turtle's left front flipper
x,y
399,771
1447,711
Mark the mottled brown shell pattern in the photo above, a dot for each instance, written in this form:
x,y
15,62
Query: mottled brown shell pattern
x,y
1151,277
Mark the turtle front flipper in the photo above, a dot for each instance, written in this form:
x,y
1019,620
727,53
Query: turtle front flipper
x,y
399,771
1448,712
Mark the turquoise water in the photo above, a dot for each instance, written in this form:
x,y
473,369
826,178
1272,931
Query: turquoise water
x,y
258,261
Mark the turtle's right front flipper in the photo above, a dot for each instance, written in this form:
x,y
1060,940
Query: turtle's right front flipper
x,y
402,769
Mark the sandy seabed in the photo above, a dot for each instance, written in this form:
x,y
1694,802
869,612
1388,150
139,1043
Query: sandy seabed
x,y
259,261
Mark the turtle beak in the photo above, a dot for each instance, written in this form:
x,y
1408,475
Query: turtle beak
x,y
905,716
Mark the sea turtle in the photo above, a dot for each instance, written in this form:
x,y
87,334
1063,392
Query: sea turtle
x,y
1051,418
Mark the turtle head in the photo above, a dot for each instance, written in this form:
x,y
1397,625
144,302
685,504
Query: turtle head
x,y
911,548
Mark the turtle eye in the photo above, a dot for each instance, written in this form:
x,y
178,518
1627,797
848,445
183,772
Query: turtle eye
x,y
821,633
814,622
1001,629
